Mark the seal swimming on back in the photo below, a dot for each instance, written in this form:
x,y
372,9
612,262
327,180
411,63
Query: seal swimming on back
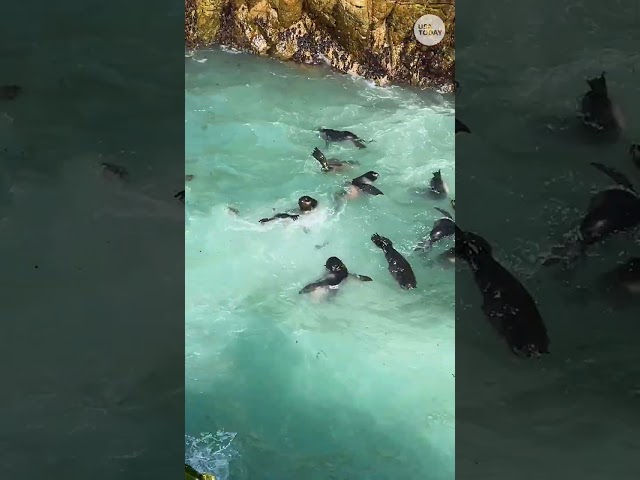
x,y
613,210
597,111
506,302
442,228
305,205
437,186
337,272
10,92
329,135
362,184
332,165
634,153
461,127
398,265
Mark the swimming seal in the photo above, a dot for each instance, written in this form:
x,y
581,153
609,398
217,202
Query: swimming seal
x,y
437,186
506,302
634,153
332,165
442,228
337,272
329,135
305,205
597,111
180,196
10,92
398,265
362,184
461,127
613,210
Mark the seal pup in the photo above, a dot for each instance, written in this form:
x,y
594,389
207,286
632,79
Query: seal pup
x,y
334,136
362,184
180,196
610,211
337,272
305,205
438,188
10,92
507,304
597,111
442,228
461,127
398,265
332,165
634,153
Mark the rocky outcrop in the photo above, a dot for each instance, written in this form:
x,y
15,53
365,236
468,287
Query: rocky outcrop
x,y
371,38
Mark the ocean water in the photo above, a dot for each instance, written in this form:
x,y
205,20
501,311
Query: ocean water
x,y
92,371
524,180
279,385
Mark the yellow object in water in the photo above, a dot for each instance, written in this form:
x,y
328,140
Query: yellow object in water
x,y
191,473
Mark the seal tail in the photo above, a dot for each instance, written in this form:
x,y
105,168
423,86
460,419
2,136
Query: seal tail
x,y
319,156
381,242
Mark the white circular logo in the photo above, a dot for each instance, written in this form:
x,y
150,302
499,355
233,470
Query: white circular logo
x,y
429,30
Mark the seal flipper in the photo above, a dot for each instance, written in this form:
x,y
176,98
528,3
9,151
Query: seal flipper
x,y
461,127
370,189
618,177
444,212
358,142
362,278
319,156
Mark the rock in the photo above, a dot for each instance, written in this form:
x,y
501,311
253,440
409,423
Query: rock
x,y
370,38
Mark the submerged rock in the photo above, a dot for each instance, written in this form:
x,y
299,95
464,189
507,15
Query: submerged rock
x,y
373,39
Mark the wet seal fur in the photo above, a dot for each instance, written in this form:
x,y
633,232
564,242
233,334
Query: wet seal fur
x,y
611,211
507,304
335,136
399,267
305,205
361,184
333,164
598,113
461,128
337,272
438,188
442,228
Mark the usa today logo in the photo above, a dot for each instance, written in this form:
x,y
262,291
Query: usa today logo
x,y
429,30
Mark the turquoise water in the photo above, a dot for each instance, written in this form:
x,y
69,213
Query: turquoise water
x,y
360,387
524,180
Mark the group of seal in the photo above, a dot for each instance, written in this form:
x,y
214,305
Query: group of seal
x,y
507,304
336,271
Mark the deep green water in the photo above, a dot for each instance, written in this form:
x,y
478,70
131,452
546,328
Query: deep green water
x,y
523,181
361,387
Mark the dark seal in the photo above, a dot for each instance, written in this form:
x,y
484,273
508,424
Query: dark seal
x,y
438,188
333,164
506,302
442,228
398,265
597,111
337,136
337,272
305,205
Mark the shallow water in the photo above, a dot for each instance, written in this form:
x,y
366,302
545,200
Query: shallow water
x,y
524,180
356,387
